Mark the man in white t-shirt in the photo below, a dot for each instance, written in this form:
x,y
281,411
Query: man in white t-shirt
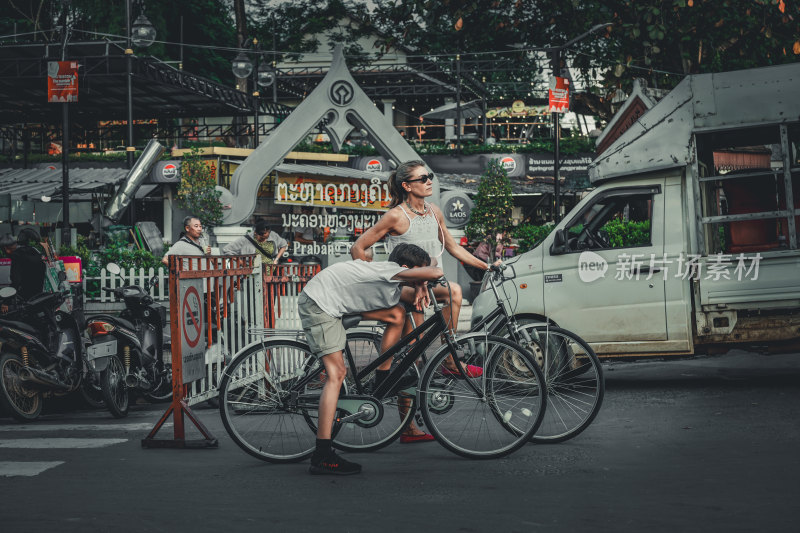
x,y
372,289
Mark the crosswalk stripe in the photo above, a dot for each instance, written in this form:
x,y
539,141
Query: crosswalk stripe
x,y
44,443
143,426
28,468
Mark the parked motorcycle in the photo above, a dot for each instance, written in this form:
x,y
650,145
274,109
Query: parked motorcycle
x,y
42,354
129,348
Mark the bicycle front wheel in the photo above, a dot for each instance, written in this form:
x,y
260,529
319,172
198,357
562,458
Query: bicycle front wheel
x,y
489,415
574,377
263,409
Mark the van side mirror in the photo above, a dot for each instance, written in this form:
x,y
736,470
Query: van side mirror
x,y
559,245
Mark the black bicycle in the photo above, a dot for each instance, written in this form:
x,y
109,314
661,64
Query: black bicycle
x,y
572,371
269,394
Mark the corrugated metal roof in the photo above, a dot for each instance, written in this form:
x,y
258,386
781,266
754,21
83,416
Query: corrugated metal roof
x,y
37,182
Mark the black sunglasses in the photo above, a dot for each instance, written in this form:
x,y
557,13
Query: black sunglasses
x,y
423,179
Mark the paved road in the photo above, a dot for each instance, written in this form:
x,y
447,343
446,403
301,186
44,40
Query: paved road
x,y
692,445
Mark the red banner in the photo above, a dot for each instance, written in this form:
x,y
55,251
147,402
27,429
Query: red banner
x,y
559,94
62,81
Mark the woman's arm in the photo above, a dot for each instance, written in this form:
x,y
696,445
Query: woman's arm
x,y
454,248
419,274
386,224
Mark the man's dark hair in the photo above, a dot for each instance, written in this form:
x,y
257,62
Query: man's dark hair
x,y
28,236
188,219
410,255
261,227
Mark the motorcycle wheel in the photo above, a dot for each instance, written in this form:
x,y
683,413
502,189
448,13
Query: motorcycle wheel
x,y
91,391
163,391
23,403
115,393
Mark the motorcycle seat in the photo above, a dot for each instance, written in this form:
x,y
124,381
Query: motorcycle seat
x,y
47,300
22,326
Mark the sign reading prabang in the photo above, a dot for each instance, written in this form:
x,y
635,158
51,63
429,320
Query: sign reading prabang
x,y
62,81
559,94
347,193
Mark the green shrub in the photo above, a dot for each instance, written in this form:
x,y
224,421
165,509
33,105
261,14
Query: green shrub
x,y
491,215
529,235
624,234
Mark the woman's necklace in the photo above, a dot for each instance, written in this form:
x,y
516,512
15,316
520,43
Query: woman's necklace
x,y
424,209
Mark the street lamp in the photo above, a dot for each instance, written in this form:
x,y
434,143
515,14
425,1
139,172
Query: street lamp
x,y
263,74
141,34
242,66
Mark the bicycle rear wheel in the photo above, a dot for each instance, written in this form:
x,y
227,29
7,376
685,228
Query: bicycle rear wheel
x,y
261,407
501,416
574,377
398,407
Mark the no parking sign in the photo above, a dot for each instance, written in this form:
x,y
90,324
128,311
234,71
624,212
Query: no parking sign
x,y
190,323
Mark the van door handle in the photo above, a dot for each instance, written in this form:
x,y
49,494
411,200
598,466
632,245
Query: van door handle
x,y
647,269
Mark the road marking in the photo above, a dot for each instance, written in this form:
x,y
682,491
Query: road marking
x,y
10,469
42,444
143,426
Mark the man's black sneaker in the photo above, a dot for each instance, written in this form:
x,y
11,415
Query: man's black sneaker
x,y
333,465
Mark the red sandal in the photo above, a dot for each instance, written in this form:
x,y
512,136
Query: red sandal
x,y
472,372
422,437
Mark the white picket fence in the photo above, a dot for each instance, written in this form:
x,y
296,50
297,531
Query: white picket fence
x,y
159,292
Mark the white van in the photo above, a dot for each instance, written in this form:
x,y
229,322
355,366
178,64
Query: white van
x,y
686,245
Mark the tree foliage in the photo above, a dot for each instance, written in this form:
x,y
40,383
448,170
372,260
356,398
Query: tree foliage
x,y
197,191
493,204
658,40
205,22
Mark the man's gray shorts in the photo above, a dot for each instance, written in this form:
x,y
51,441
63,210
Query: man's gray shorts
x,y
324,333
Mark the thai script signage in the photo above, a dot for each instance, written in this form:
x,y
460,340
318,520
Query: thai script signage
x,y
345,193
541,164
333,221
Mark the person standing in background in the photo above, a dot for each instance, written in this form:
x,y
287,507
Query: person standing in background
x,y
265,242
27,265
191,241
305,234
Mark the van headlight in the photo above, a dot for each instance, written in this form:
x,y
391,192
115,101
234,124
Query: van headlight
x,y
485,284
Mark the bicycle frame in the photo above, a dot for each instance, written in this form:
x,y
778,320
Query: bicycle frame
x,y
432,328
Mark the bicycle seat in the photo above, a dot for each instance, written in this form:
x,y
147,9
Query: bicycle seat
x,y
351,321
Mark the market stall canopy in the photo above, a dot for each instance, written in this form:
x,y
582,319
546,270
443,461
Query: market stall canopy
x,y
471,109
32,184
159,90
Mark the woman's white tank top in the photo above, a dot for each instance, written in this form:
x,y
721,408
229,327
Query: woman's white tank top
x,y
423,231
